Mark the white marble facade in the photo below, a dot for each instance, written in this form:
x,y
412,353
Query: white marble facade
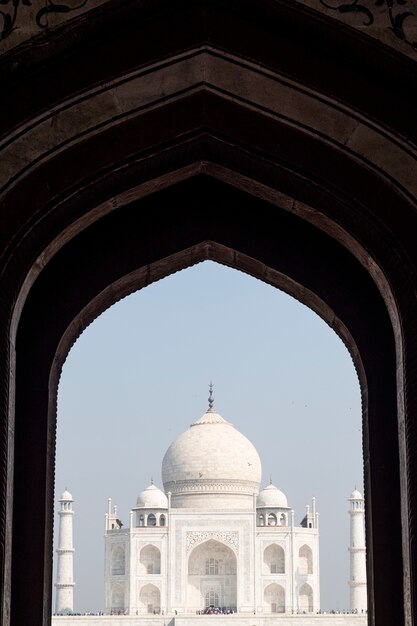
x,y
212,537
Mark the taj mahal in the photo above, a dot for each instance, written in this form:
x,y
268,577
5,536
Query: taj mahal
x,y
212,541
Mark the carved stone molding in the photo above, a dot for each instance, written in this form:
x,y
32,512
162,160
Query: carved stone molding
x,y
397,16
14,9
229,537
209,485
392,21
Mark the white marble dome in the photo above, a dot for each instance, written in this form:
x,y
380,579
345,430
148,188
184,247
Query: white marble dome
x,y
356,495
210,463
152,498
271,497
66,496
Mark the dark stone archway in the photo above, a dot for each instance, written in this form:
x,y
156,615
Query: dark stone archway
x,y
273,188
111,250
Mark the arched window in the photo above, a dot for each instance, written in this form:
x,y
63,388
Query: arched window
x,y
274,560
261,520
306,598
274,599
151,520
141,521
212,566
305,560
150,560
272,519
118,560
212,598
162,520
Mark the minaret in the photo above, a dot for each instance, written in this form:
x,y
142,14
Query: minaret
x,y
357,582
65,564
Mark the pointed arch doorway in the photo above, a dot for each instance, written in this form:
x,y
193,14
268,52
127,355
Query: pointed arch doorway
x,y
212,577
100,282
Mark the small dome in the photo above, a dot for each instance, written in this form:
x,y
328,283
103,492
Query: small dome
x,y
356,495
152,498
272,497
65,495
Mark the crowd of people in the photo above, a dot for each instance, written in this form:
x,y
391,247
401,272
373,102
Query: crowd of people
x,y
216,610
79,614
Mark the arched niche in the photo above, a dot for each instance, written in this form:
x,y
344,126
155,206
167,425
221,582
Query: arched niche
x,y
149,560
151,520
274,560
305,560
212,573
118,560
305,599
118,597
149,599
274,598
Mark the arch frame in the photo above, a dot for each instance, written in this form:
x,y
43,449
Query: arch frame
x,y
209,570
281,594
306,553
156,592
306,587
223,544
204,250
353,221
278,551
147,551
118,555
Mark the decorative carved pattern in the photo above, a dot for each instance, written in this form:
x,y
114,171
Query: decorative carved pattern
x,y
396,16
230,537
9,17
245,487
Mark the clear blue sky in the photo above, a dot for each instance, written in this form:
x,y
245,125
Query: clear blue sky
x,y
139,375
